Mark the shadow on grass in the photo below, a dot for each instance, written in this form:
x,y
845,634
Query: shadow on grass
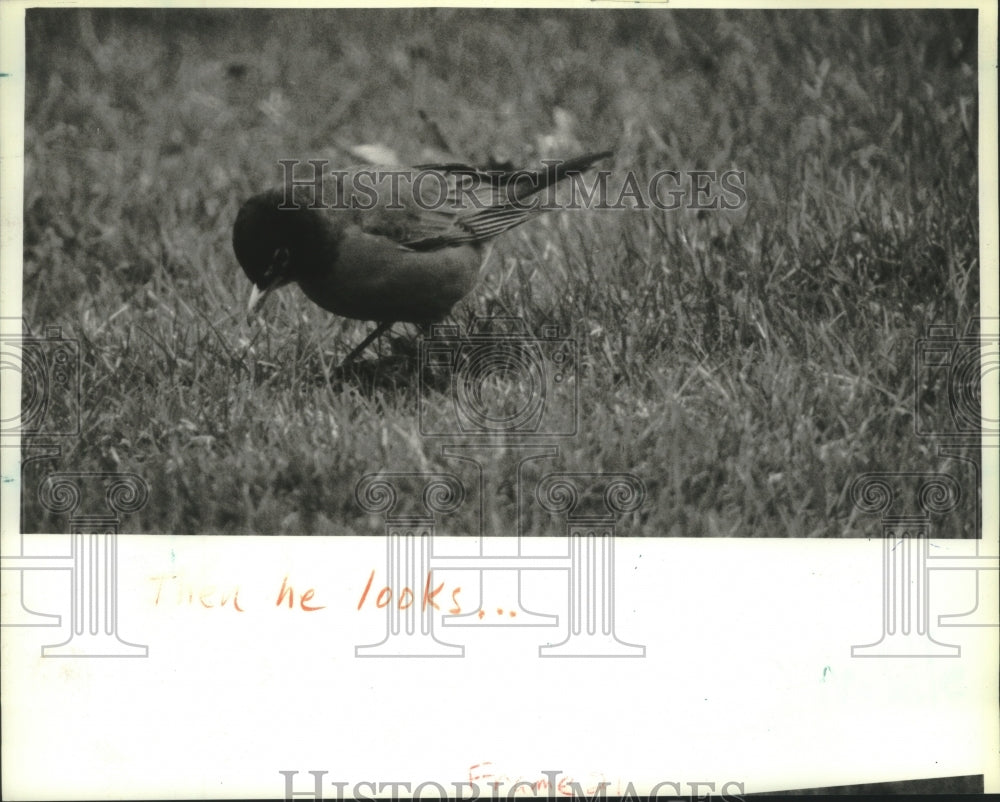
x,y
390,368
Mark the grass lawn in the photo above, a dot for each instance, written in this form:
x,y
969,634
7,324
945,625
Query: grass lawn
x,y
747,365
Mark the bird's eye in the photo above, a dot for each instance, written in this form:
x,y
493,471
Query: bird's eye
x,y
279,263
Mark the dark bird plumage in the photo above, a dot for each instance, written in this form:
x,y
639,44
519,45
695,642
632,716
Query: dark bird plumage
x,y
404,249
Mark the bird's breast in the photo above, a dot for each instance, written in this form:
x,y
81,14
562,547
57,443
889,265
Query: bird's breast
x,y
373,278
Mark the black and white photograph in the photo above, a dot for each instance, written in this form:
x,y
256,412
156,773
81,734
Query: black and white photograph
x,y
446,331
769,211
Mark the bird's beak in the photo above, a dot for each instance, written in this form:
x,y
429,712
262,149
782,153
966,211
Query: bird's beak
x,y
278,271
257,298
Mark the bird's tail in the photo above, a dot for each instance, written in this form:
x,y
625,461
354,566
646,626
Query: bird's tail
x,y
527,184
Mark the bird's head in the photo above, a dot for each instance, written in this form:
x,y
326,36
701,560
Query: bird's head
x,y
264,240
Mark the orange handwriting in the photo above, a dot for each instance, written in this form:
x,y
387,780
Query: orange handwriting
x,y
186,593
286,590
406,596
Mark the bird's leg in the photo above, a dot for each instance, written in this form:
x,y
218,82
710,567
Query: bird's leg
x,y
379,331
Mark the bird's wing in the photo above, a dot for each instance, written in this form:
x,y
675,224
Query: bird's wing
x,y
431,206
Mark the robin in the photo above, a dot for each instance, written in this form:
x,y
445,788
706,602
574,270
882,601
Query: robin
x,y
385,244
